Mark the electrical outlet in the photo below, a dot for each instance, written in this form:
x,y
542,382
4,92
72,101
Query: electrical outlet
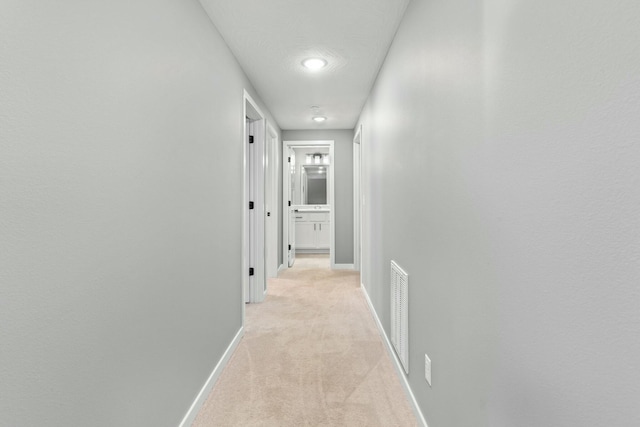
x,y
427,369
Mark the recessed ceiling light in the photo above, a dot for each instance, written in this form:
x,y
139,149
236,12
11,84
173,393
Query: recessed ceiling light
x,y
319,119
314,63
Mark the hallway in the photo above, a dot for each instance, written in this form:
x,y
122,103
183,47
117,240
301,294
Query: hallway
x,y
489,148
311,355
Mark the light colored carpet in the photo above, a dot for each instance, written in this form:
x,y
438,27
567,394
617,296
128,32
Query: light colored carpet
x,y
306,261
311,356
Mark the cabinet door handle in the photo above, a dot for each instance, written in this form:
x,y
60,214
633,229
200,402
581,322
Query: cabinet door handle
x,y
298,217
314,227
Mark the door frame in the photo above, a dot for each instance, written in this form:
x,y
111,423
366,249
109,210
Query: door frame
x,y
357,200
286,210
253,226
271,189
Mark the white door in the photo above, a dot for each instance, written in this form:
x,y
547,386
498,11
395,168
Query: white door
x,y
250,237
292,216
271,200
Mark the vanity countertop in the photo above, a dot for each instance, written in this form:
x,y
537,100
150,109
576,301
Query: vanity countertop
x,y
313,209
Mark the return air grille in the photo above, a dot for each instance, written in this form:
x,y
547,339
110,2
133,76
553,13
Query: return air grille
x,y
400,314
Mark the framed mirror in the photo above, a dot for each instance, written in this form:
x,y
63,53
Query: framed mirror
x,y
314,184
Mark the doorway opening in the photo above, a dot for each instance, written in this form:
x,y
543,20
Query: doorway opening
x,y
308,202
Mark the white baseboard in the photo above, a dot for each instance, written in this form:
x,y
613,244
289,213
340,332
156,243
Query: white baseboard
x,y
343,266
282,267
190,417
398,366
312,251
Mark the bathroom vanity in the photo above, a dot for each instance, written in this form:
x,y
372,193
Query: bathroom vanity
x,y
312,229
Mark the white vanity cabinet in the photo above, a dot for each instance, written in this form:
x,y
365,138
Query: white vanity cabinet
x,y
312,231
322,234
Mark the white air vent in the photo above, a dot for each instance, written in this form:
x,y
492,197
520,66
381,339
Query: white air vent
x,y
400,313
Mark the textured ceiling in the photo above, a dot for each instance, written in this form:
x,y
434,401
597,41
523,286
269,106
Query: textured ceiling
x,y
270,38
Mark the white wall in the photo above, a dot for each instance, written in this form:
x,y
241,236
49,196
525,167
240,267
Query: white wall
x,y
343,175
120,210
501,168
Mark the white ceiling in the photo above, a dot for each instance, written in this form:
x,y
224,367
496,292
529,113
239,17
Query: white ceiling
x,y
270,38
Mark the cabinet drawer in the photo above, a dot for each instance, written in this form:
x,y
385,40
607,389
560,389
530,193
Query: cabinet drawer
x,y
301,217
318,216
311,216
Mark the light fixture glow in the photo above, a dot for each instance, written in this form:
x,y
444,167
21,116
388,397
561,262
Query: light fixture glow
x,y
314,63
319,119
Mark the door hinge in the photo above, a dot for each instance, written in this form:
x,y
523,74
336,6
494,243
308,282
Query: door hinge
x,y
288,159
251,271
289,202
250,205
250,139
268,213
289,247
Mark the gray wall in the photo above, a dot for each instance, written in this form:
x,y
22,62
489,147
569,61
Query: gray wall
x,y
343,174
502,171
120,210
